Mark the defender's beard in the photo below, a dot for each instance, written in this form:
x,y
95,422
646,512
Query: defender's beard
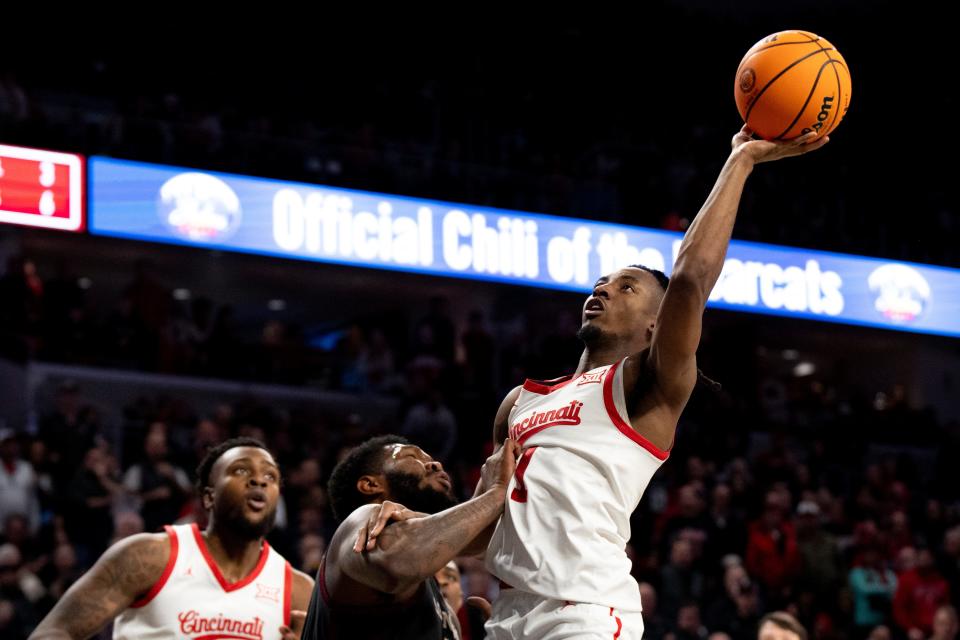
x,y
406,490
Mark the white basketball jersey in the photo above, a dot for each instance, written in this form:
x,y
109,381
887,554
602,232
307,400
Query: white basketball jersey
x,y
192,599
566,523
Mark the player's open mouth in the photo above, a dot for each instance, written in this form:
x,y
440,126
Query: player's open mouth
x,y
257,501
594,308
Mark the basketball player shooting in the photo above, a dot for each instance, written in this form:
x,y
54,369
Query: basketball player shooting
x,y
224,582
592,441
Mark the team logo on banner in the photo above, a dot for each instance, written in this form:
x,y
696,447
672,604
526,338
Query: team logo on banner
x,y
902,293
199,207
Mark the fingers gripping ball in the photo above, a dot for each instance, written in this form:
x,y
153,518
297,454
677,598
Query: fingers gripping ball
x,y
790,83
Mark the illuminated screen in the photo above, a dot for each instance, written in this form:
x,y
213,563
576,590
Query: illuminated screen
x,y
41,188
310,222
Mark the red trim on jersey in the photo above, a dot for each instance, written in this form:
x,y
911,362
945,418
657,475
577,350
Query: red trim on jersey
x,y
618,421
167,570
287,586
543,387
619,625
228,587
323,580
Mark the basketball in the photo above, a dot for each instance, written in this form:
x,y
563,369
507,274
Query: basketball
x,y
791,83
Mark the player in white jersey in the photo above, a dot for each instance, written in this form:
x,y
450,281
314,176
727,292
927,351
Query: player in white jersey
x,y
223,582
592,441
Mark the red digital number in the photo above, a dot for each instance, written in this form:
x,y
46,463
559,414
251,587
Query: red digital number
x,y
41,188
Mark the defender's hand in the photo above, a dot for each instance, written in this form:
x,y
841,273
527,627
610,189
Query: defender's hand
x,y
367,536
499,468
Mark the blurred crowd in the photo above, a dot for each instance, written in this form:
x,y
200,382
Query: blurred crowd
x,y
805,493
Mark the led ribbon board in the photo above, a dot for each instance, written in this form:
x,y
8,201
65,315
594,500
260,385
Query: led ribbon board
x,y
310,222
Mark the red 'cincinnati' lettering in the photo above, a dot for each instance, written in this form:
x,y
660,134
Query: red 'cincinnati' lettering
x,y
192,622
569,414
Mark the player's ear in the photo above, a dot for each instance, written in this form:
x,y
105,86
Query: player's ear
x,y
207,498
371,485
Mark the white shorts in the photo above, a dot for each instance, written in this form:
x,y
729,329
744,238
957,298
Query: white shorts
x,y
519,615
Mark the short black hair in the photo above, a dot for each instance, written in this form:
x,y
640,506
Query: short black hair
x,y
364,459
214,453
662,279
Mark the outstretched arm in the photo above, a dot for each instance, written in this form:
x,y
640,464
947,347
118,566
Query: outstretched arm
x,y
700,260
126,571
395,559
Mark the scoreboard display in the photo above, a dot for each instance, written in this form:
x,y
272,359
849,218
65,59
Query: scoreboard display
x,y
41,189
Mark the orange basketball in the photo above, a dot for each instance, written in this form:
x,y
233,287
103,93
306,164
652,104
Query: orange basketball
x,y
790,83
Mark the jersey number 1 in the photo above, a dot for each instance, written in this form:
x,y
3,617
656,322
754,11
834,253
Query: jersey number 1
x,y
519,493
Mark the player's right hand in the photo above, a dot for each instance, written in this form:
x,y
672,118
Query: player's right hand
x,y
367,536
766,150
499,468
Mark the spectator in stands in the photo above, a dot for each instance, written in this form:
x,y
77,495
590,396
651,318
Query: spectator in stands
x,y
18,484
126,339
872,586
379,363
819,554
920,592
899,534
688,625
949,561
737,611
780,625
680,580
726,533
161,487
772,552
310,552
479,350
16,531
653,624
62,572
14,624
125,524
432,424
68,431
881,632
945,624
18,586
94,491
687,516
436,334
448,578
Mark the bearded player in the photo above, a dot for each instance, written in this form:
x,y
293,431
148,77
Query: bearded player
x,y
223,582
